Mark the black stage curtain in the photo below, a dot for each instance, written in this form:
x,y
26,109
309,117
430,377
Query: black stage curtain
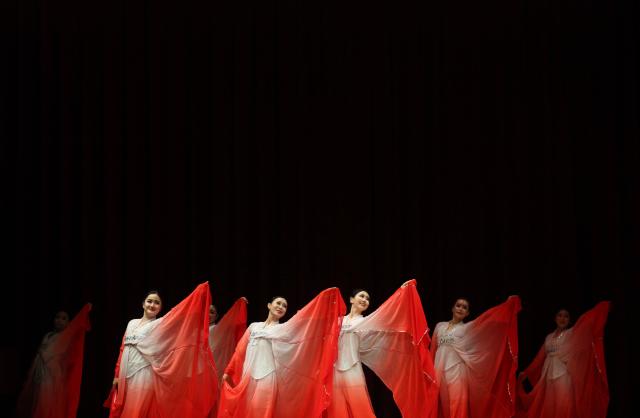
x,y
273,147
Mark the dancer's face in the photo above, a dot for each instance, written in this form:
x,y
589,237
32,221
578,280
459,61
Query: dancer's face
x,y
360,302
152,305
213,314
61,320
460,309
562,319
278,307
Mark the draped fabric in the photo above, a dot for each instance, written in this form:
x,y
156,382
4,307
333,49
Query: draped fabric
x,y
483,146
569,375
223,338
393,341
285,370
166,368
226,334
52,389
476,362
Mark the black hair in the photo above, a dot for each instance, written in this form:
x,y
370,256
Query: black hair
x,y
58,312
152,292
560,309
462,298
276,297
64,311
354,292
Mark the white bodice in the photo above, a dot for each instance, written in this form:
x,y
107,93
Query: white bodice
x,y
348,343
447,337
132,359
259,360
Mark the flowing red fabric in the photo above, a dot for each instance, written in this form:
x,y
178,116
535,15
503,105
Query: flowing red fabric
x,y
488,351
227,333
304,350
181,376
580,373
53,386
394,343
223,338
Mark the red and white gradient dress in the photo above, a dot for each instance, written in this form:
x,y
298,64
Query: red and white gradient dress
x,y
569,373
393,341
285,370
165,367
475,364
224,336
52,389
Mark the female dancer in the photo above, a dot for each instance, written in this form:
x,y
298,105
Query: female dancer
x,y
165,364
568,374
475,362
283,369
393,341
52,389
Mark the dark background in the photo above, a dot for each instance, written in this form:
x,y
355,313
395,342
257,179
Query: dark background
x,y
483,148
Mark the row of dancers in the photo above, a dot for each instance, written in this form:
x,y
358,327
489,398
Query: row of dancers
x,y
188,364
